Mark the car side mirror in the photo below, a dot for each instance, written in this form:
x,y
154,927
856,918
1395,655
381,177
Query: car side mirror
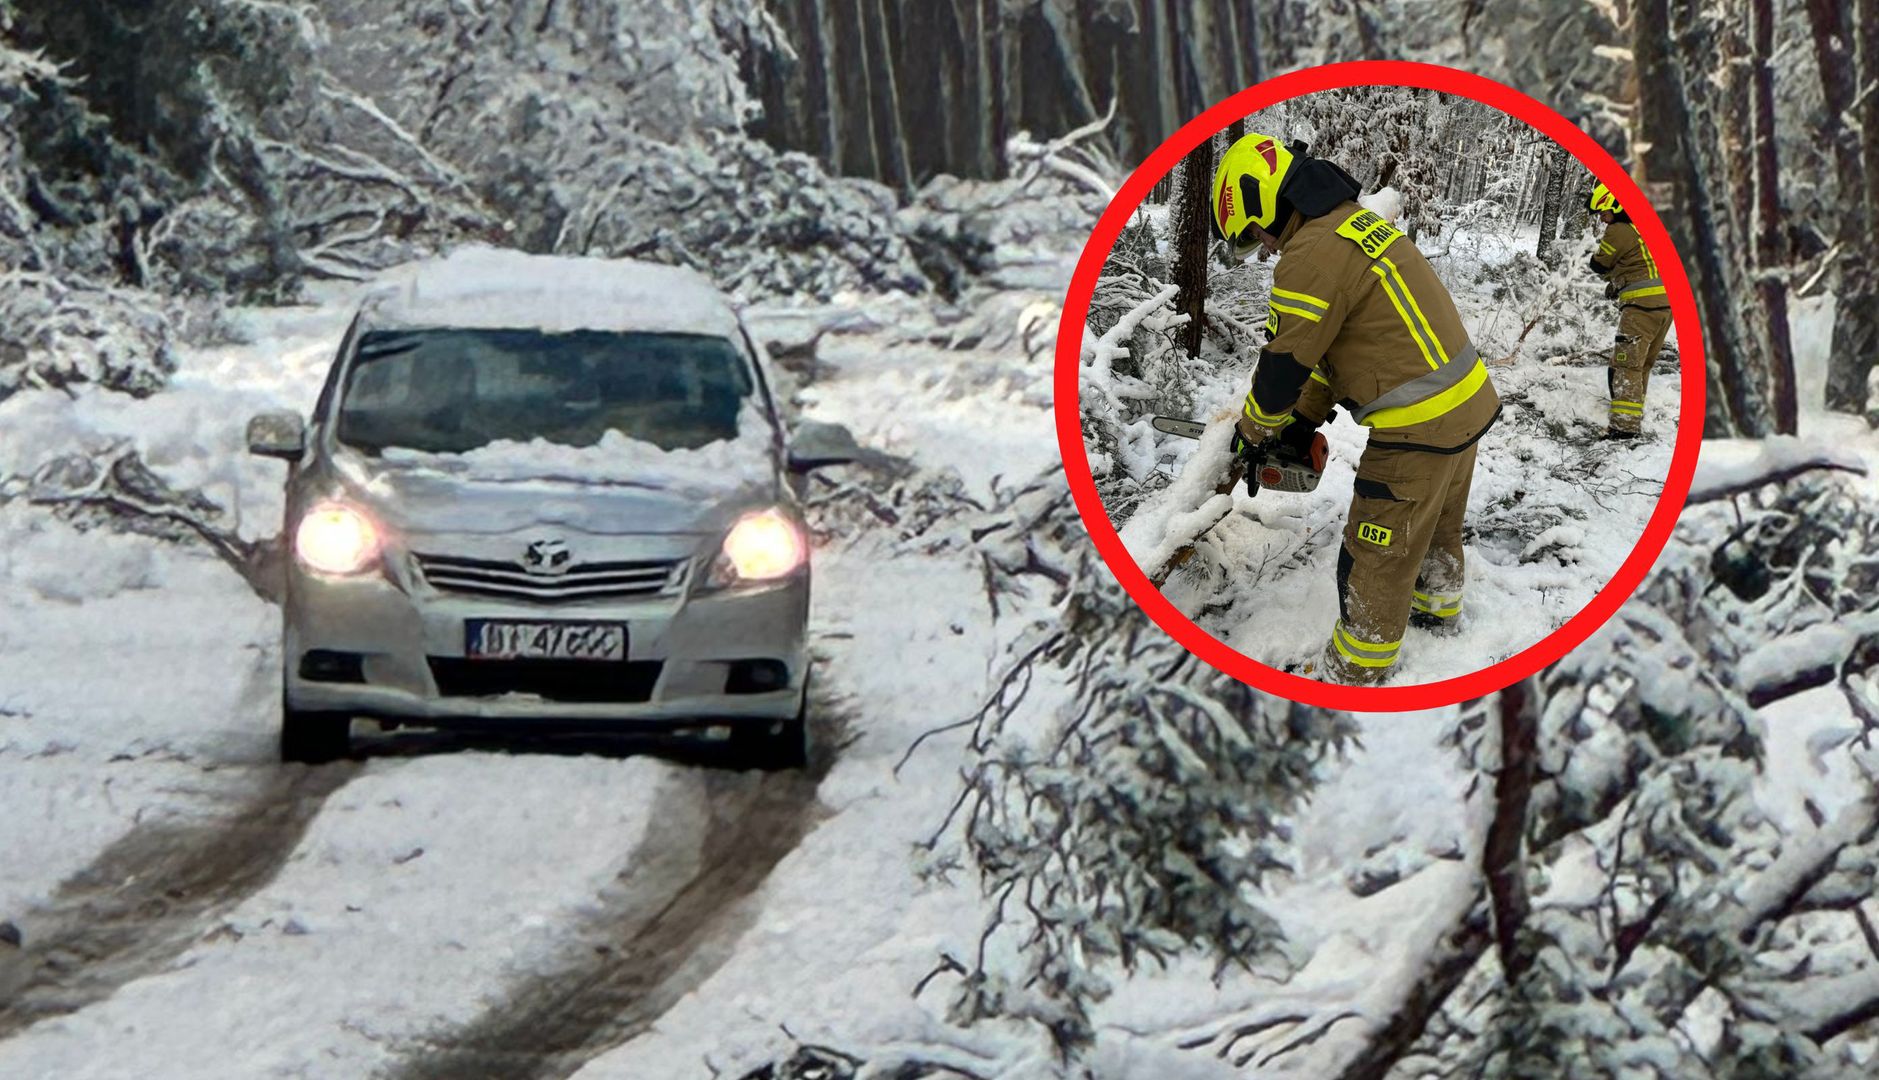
x,y
278,434
815,445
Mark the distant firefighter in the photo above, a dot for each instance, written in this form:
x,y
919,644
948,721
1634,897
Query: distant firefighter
x,y
1630,275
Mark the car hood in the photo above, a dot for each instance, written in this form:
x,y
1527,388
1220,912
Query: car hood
x,y
420,499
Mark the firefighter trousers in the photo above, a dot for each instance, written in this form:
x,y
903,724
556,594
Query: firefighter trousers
x,y
1641,333
1402,552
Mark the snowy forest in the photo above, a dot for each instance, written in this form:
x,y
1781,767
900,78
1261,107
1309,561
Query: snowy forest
x,y
1041,839
1174,329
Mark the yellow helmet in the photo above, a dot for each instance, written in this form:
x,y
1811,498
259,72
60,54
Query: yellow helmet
x,y
1603,199
1246,188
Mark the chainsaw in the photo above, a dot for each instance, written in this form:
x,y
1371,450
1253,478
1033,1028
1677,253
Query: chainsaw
x,y
1272,464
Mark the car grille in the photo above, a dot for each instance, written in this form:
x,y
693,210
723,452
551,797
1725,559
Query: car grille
x,y
555,680
585,581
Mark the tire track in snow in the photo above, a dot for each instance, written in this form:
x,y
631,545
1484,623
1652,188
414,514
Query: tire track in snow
x,y
150,894
673,921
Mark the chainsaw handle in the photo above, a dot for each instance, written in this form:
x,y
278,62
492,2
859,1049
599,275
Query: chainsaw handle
x,y
1239,468
1247,466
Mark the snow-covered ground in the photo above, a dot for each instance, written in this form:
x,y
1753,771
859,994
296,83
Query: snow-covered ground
x,y
1552,511
210,913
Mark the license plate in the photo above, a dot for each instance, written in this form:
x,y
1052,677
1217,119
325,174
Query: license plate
x,y
504,639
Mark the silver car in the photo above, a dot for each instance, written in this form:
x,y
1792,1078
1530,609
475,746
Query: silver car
x,y
551,493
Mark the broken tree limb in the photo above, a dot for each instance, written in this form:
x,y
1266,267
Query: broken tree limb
x,y
1808,658
1038,158
127,495
1777,460
1451,960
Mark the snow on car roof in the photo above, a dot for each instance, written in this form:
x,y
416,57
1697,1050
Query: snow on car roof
x,y
491,288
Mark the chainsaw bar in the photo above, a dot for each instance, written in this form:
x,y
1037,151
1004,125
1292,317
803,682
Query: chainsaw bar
x,y
1174,425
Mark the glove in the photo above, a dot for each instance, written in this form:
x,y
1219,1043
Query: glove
x,y
1611,290
1298,435
1248,437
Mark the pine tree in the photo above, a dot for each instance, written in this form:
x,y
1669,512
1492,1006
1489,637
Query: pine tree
x,y
1848,57
1190,237
1558,164
1132,822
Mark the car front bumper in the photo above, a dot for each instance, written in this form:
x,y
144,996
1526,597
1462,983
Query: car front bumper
x,y
403,655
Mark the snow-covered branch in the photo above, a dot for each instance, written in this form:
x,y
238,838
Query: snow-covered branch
x,y
1101,355
1775,892
126,494
332,91
1806,658
1726,471
1066,157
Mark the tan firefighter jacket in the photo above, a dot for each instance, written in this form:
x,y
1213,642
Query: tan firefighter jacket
x,y
1627,264
1359,318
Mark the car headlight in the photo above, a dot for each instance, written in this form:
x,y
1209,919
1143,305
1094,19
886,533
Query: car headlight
x,y
762,546
336,539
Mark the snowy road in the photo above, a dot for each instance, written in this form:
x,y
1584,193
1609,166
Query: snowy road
x,y
447,906
187,908
674,919
152,892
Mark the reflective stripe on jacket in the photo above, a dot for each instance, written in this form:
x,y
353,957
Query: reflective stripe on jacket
x,y
1624,259
1365,322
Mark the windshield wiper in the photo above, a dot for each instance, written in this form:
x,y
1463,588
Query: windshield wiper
x,y
378,350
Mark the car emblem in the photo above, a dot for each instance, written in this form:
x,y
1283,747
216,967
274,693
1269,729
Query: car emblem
x,y
549,558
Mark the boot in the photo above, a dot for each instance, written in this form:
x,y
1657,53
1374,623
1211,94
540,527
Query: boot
x,y
1435,624
1333,668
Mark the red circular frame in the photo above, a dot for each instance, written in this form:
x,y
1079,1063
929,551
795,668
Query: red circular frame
x,y
1083,484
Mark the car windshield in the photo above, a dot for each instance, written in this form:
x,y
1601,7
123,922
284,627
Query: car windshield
x,y
449,391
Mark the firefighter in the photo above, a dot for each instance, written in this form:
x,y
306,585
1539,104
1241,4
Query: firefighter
x,y
1631,279
1359,319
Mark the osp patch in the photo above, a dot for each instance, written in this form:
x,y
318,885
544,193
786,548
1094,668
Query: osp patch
x,y
1374,533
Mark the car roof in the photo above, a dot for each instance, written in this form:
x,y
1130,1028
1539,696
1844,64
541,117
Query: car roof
x,y
481,287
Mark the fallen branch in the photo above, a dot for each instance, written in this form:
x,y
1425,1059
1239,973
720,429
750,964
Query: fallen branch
x,y
333,92
1453,958
1841,1005
1808,658
129,495
1040,157
1777,461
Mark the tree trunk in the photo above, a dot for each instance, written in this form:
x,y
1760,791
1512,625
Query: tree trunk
x,y
1867,18
1008,73
1680,186
1856,310
884,106
1770,263
1448,963
1559,161
1073,96
988,84
828,33
1502,856
1188,235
